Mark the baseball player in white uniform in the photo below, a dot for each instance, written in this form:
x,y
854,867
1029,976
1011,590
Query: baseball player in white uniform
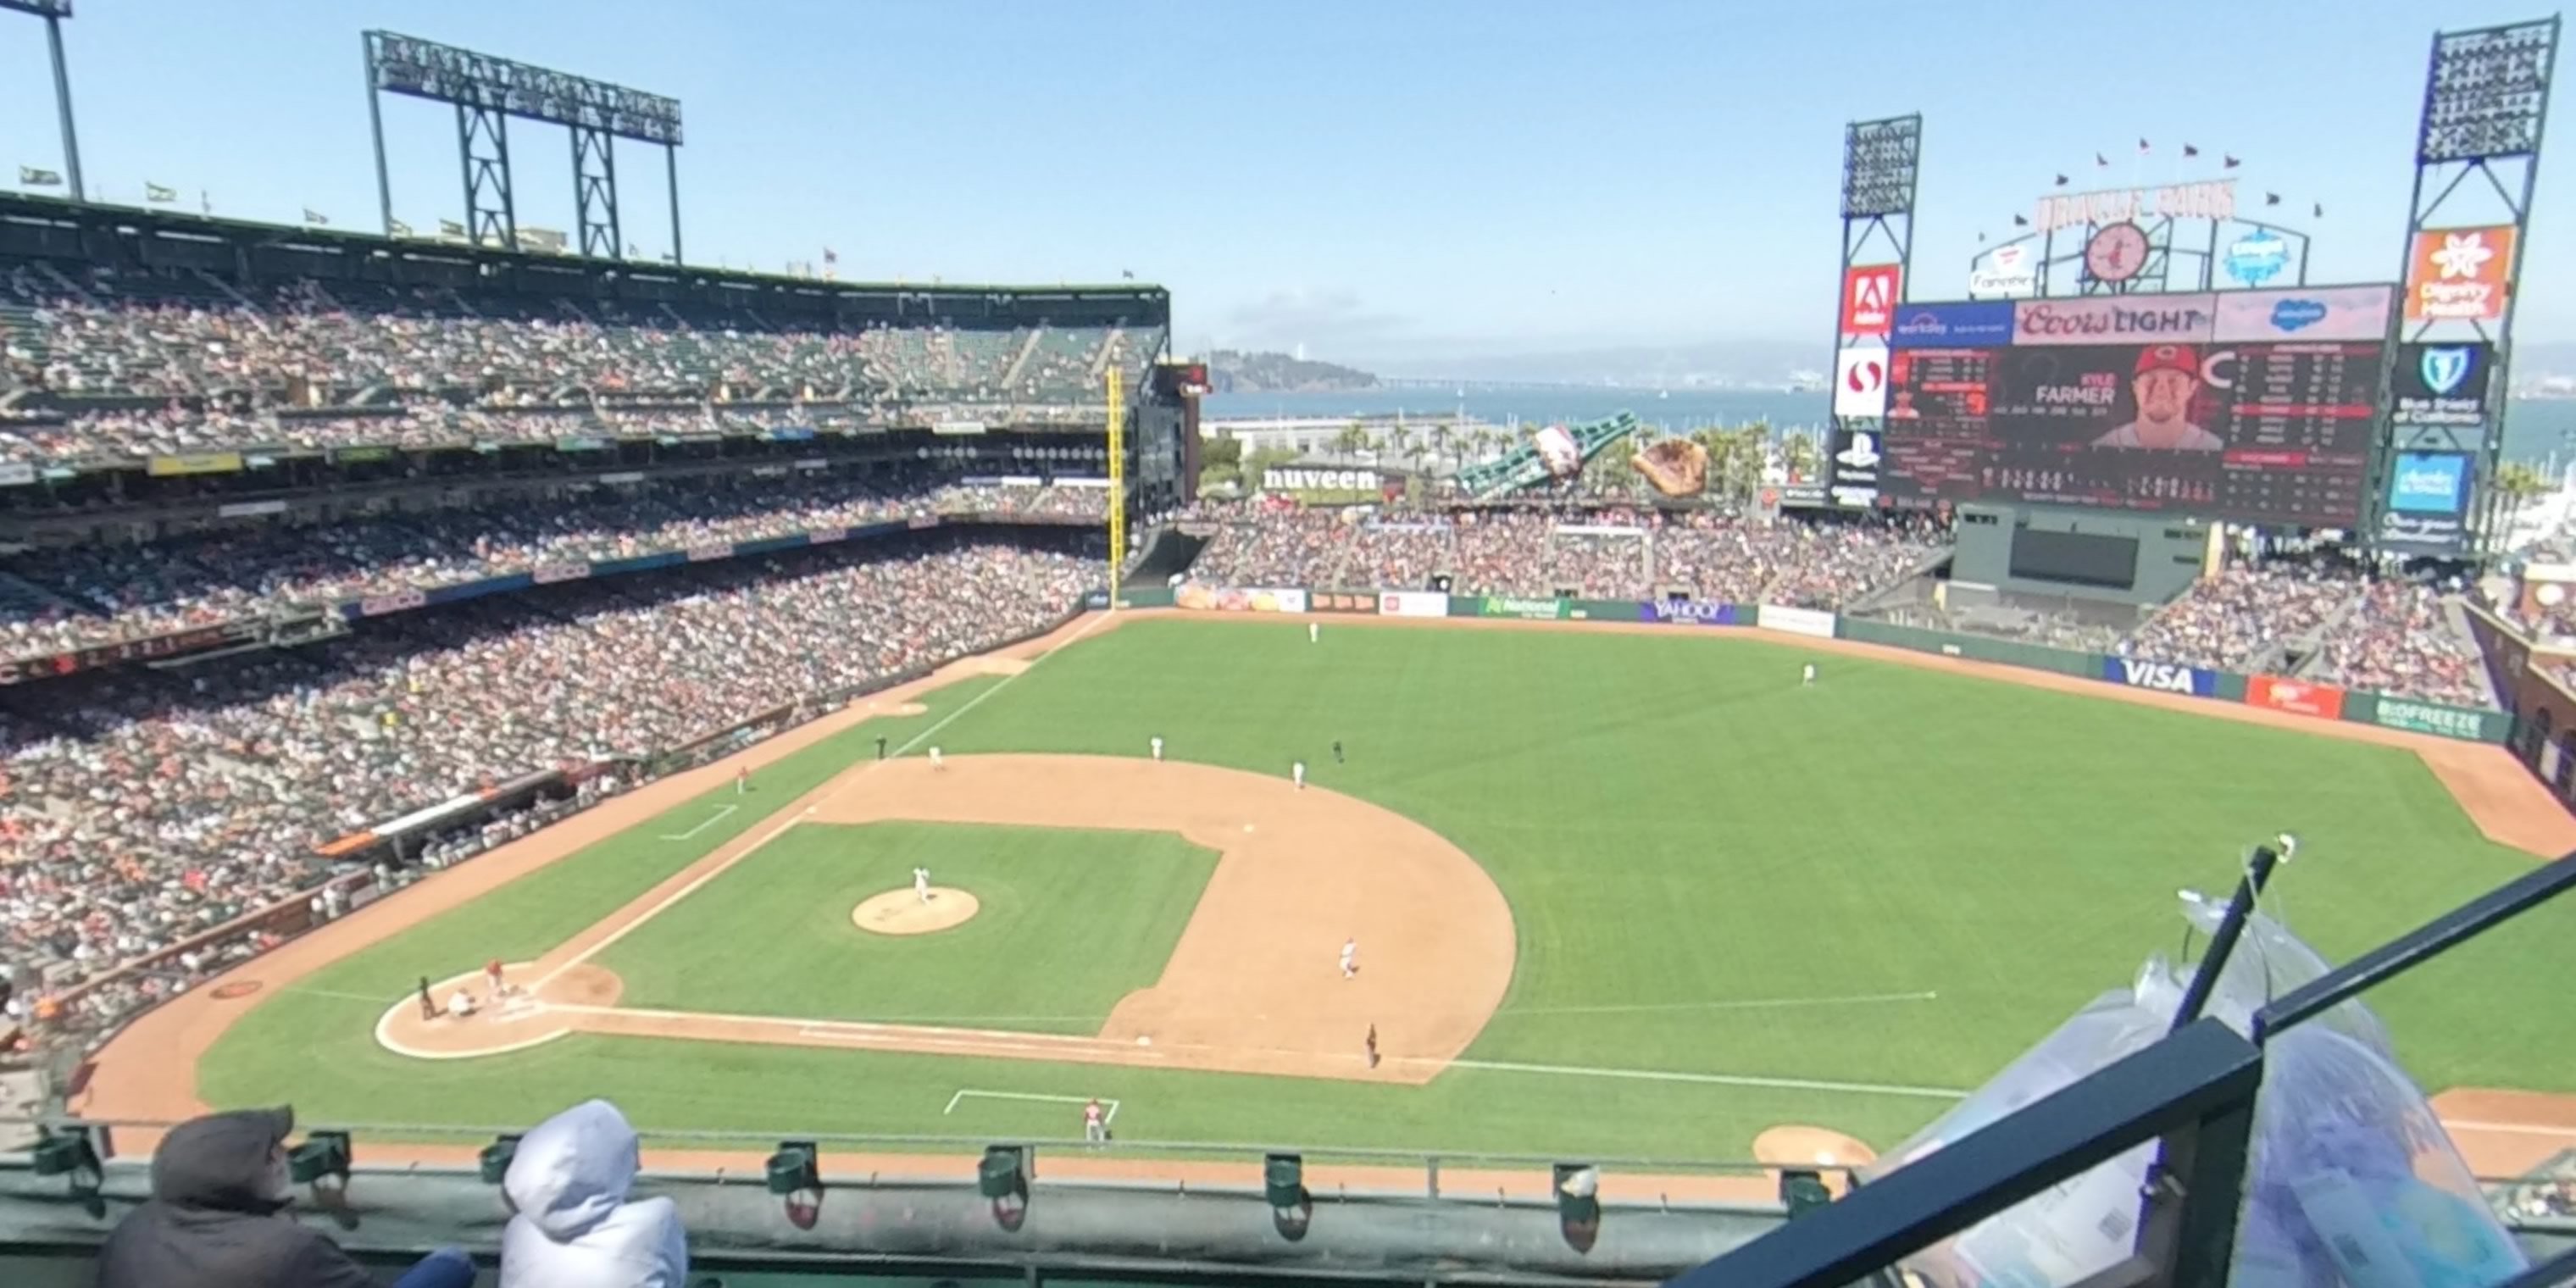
x,y
921,884
1809,676
1297,770
935,761
1314,632
1158,747
1350,958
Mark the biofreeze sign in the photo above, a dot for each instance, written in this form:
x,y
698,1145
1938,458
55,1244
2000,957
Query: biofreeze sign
x,y
2163,677
2421,717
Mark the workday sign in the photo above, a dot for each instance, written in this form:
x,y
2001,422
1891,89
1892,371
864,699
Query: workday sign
x,y
2163,677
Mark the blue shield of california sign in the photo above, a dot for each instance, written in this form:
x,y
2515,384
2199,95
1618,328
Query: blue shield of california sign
x,y
2447,367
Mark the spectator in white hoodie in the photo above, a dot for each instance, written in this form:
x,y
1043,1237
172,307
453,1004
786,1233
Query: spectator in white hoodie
x,y
572,1226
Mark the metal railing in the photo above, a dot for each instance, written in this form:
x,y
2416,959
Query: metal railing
x,y
2193,1092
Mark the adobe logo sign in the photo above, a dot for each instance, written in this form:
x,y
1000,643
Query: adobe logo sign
x,y
1869,299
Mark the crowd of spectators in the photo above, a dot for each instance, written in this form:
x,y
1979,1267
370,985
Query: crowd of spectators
x,y
2399,639
2245,616
74,597
140,808
435,367
1618,554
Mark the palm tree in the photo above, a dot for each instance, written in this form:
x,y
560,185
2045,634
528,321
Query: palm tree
x,y
1353,440
2516,485
1798,451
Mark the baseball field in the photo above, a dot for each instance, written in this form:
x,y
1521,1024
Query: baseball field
x,y
1627,893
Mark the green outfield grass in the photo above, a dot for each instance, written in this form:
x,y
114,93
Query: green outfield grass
x,y
1076,919
1897,877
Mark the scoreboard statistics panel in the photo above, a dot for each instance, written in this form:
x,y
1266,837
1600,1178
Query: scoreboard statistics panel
x,y
2275,431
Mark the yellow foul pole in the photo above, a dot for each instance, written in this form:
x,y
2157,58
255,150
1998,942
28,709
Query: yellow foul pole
x,y
1117,479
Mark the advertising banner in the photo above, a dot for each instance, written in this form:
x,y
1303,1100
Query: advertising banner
x,y
2298,697
710,550
1536,610
1341,601
1796,621
1687,612
1412,603
2008,272
162,467
2459,274
16,474
2428,500
2441,384
1869,298
2433,718
2257,257
1855,472
2332,313
1979,324
2116,319
2163,677
1255,599
1860,383
549,574
396,602
1319,484
1095,600
2201,199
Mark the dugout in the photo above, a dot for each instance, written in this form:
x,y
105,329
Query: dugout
x,y
2111,559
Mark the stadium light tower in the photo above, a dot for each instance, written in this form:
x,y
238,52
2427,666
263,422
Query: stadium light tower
x,y
2477,161
1880,160
53,12
486,92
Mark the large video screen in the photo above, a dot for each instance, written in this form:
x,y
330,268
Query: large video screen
x,y
2259,406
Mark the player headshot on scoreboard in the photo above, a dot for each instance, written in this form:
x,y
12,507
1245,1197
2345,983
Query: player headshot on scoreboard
x,y
2166,378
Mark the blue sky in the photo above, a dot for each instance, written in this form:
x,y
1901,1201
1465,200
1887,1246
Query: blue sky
x,y
1374,179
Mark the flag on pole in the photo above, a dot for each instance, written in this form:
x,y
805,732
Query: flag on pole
x,y
2142,147
2101,162
1127,273
2020,221
2320,211
2190,151
2062,181
154,192
2226,162
39,178
205,201
316,218
2271,199
831,256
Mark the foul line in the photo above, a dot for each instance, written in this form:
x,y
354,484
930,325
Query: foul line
x,y
1109,1105
1716,1079
720,815
1738,1004
852,781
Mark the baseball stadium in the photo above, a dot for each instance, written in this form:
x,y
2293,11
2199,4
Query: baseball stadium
x,y
876,773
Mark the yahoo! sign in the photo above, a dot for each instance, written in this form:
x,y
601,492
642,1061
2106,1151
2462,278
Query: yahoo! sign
x,y
2116,319
1688,612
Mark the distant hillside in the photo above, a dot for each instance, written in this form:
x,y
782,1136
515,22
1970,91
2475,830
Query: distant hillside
x,y
1260,373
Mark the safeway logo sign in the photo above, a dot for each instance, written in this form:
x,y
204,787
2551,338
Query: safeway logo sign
x,y
1869,299
1860,384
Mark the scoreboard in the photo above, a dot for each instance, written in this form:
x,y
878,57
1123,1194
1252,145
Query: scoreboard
x,y
2277,429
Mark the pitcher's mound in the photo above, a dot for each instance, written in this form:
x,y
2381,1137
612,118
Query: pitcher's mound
x,y
1810,1147
901,912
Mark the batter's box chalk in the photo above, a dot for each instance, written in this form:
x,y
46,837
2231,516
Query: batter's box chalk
x,y
1142,1040
1247,827
810,809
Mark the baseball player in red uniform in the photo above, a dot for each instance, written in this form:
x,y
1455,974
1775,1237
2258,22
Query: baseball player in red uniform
x,y
492,979
1095,1123
742,780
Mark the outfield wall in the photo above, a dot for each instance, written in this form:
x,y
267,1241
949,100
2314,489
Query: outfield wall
x,y
2272,692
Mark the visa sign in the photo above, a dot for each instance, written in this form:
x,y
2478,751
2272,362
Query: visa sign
x,y
2163,677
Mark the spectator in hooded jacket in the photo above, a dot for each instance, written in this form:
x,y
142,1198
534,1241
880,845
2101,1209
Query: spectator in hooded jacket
x,y
572,1225
217,1219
